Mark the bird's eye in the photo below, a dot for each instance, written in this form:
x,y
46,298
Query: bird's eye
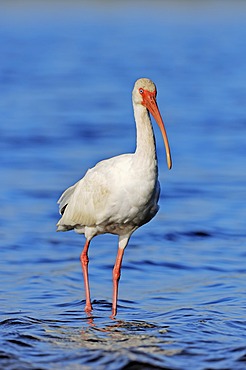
x,y
141,91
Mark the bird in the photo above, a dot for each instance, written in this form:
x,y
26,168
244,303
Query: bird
x,y
120,194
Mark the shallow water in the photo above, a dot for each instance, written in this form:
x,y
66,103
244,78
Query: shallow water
x,y
66,76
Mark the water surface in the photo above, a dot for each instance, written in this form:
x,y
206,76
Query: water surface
x,y
66,77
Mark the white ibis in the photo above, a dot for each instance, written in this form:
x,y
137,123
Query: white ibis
x,y
119,194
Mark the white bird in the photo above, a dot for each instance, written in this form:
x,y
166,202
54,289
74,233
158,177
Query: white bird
x,y
121,193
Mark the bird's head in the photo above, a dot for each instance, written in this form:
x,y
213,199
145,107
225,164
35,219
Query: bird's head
x,y
142,88
144,93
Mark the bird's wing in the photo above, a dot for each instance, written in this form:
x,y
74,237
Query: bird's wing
x,y
91,201
110,193
65,198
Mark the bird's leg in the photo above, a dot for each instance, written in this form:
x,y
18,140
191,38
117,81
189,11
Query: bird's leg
x,y
84,263
116,278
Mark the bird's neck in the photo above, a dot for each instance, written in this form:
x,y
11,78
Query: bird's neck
x,y
145,147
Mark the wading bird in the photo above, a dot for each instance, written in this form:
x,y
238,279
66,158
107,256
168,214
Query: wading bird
x,y
119,194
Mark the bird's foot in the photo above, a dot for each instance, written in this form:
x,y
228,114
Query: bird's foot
x,y
88,309
114,312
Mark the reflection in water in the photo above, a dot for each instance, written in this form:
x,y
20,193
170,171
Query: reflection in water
x,y
123,338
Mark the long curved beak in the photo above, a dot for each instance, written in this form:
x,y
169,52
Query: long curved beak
x,y
149,101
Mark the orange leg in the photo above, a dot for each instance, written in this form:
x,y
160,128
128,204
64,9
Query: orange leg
x,y
84,263
116,278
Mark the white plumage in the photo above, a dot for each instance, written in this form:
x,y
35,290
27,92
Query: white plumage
x,y
119,194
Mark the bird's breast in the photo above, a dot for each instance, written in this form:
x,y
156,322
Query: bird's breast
x,y
134,199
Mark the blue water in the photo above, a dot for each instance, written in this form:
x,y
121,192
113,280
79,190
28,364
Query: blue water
x,y
66,75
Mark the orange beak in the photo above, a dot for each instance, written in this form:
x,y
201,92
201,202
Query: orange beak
x,y
149,101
